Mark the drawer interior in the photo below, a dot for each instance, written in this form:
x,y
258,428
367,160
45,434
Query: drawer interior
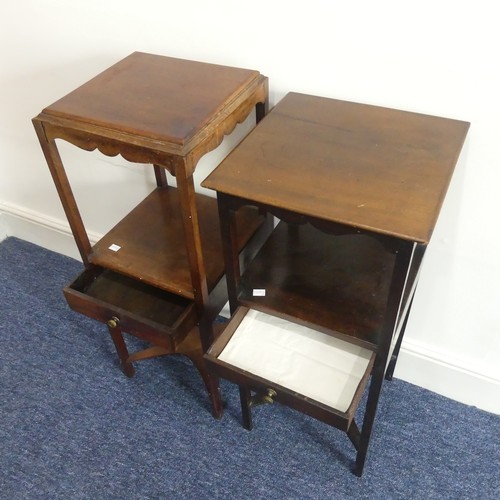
x,y
261,350
118,292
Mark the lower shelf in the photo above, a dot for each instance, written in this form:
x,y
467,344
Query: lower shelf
x,y
316,373
149,243
338,283
142,310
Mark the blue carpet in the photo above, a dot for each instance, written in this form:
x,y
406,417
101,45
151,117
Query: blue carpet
x,y
72,426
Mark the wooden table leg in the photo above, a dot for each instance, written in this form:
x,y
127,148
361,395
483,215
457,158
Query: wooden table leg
x,y
121,348
246,412
398,281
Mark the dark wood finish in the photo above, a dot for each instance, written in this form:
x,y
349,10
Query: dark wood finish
x,y
369,167
292,265
151,238
63,187
358,189
160,176
167,99
166,112
396,292
110,294
247,381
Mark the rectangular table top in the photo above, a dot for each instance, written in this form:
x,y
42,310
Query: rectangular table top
x,y
374,168
163,98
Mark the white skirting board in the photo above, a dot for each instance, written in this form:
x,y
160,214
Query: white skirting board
x,y
418,364
425,367
47,232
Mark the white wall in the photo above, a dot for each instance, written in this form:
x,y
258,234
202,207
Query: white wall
x,y
432,56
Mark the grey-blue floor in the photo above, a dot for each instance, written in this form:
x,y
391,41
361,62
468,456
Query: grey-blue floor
x,y
73,426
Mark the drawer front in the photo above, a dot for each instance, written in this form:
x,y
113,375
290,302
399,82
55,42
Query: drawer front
x,y
89,297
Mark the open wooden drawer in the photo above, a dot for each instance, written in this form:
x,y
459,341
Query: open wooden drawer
x,y
141,309
315,373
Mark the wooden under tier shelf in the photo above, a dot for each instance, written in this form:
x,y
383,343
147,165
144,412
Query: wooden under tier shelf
x,y
148,244
287,279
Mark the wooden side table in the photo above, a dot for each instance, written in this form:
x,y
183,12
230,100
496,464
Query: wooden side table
x,y
323,306
156,274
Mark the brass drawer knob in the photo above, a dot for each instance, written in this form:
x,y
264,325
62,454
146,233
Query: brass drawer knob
x,y
113,322
269,396
261,399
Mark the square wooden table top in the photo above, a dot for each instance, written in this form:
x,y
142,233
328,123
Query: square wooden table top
x,y
161,98
369,167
